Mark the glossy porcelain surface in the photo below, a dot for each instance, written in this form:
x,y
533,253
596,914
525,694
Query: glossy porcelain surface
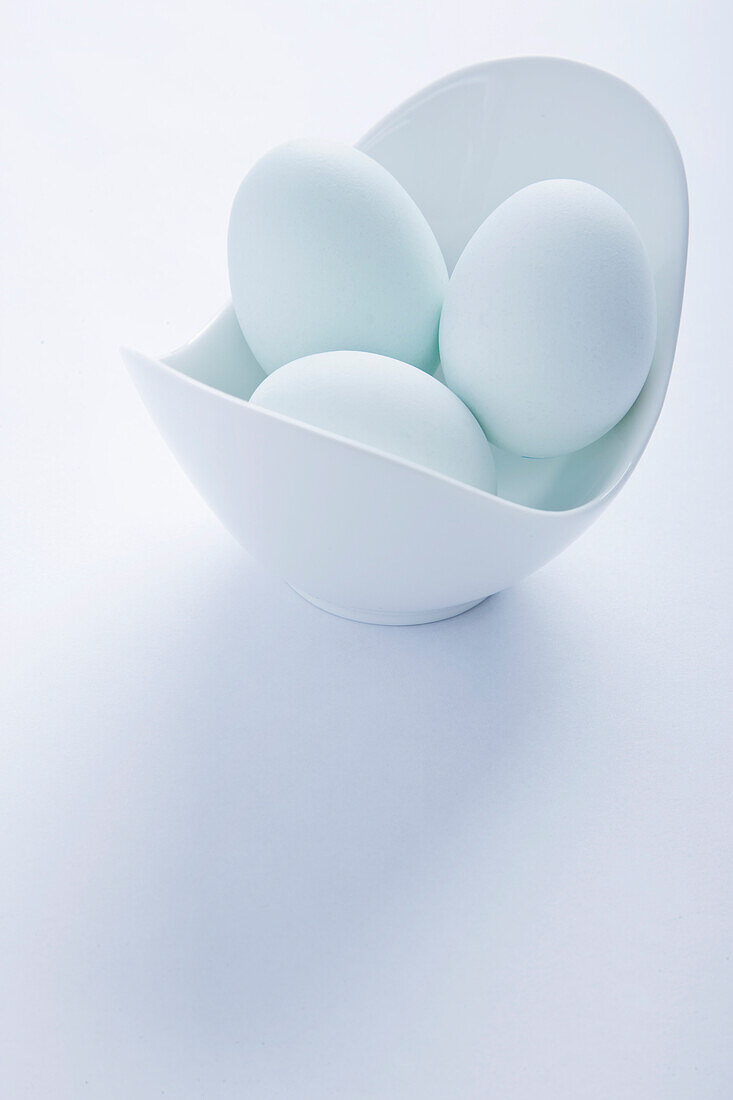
x,y
376,538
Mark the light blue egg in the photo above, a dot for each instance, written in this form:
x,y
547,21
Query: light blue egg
x,y
550,321
385,404
328,251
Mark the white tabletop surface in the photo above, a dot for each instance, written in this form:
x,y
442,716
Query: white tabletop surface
x,y
250,850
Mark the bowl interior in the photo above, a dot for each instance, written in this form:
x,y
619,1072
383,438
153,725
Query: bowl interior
x,y
461,147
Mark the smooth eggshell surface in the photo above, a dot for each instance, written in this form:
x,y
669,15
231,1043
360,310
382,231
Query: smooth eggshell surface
x,y
549,322
386,404
328,251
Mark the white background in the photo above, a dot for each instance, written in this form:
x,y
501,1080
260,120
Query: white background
x,y
250,850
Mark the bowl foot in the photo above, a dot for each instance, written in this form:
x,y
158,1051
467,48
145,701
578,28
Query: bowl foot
x,y
390,618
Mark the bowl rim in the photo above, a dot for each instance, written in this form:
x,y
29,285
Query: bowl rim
x,y
482,494
520,59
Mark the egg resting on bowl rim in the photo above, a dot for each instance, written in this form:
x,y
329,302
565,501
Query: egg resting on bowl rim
x,y
385,404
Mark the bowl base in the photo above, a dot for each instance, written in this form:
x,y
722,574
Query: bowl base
x,y
390,618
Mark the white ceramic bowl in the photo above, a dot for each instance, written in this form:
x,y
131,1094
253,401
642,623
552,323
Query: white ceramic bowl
x,y
372,537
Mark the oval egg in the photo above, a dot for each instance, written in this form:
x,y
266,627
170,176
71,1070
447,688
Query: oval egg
x,y
549,322
328,251
385,404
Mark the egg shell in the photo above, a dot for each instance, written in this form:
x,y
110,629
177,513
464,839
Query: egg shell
x,y
549,322
385,404
328,251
